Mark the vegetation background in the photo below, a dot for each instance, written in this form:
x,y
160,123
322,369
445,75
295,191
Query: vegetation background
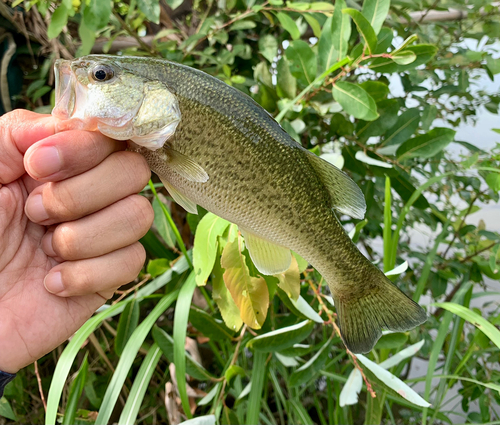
x,y
377,87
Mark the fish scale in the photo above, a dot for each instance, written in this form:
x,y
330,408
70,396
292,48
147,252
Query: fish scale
x,y
270,186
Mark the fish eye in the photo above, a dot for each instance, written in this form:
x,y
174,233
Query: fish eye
x,y
102,73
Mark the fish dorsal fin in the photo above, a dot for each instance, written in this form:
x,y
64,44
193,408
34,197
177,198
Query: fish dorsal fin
x,y
185,166
346,196
179,198
268,258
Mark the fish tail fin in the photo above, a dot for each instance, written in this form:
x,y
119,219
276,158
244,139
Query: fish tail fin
x,y
381,305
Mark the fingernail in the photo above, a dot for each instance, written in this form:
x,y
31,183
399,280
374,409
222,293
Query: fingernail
x,y
44,161
35,210
47,245
53,283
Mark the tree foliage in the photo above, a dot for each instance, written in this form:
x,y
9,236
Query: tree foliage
x,y
376,87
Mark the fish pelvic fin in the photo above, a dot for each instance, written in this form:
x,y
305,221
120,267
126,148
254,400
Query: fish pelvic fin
x,y
362,317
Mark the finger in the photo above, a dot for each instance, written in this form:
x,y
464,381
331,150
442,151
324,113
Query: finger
x,y
68,154
101,275
112,228
20,129
121,174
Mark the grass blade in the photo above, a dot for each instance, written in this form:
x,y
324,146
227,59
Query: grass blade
x,y
128,356
388,264
75,392
258,378
133,404
472,317
180,324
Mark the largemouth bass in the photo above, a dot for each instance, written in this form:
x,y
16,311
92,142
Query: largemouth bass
x,y
213,146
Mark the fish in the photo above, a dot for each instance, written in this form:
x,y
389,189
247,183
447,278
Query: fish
x,y
212,145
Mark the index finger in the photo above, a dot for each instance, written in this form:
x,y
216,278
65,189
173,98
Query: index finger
x,y
68,154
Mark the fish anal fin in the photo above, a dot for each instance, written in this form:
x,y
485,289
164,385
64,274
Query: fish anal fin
x,y
269,258
180,199
345,194
382,305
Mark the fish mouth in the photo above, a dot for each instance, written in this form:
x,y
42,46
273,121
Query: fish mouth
x,y
71,97
65,93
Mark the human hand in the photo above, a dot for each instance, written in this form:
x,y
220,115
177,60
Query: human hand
x,y
70,219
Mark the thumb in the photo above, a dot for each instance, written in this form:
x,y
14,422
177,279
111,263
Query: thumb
x,y
20,129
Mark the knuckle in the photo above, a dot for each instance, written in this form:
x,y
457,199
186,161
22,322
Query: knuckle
x,y
136,169
141,215
60,202
137,256
64,242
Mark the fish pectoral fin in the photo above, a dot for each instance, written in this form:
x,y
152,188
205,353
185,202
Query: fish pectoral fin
x,y
180,199
269,258
345,194
185,166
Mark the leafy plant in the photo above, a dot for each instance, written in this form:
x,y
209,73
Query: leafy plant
x,y
270,350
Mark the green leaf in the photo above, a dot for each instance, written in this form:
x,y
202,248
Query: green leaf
x,y
303,61
174,4
250,294
286,82
96,14
427,145
472,317
158,266
376,89
364,28
341,31
388,115
393,382
208,326
205,245
139,388
57,22
375,11
289,25
424,53
268,47
428,116
151,8
493,65
166,344
309,369
281,339
493,181
201,420
232,371
162,225
326,49
242,25
87,36
405,126
129,320
314,24
181,315
404,58
228,417
391,341
355,101
6,410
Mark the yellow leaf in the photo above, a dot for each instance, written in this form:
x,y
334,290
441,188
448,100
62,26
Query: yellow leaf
x,y
289,281
249,293
228,308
